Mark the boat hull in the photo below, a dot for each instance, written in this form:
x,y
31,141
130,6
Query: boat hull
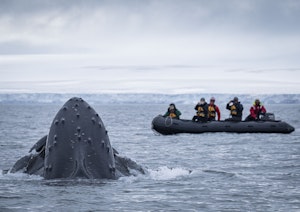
x,y
168,126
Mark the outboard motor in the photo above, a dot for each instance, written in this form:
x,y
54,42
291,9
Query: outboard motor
x,y
268,117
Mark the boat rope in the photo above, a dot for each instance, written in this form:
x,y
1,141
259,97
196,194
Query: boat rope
x,y
166,120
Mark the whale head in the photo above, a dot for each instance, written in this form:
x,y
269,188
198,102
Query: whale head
x,y
77,145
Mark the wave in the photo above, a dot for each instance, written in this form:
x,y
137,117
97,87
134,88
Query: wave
x,y
218,172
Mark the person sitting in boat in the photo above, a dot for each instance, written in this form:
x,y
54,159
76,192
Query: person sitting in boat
x,y
256,110
236,110
213,110
172,112
202,111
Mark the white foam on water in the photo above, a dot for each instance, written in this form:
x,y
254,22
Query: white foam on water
x,y
166,173
20,176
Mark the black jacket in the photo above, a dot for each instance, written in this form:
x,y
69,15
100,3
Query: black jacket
x,y
202,109
236,109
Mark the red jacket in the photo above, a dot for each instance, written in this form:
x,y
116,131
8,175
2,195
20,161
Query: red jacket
x,y
256,110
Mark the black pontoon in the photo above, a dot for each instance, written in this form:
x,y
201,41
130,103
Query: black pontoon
x,y
167,126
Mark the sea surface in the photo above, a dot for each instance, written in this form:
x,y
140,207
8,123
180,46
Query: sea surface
x,y
186,172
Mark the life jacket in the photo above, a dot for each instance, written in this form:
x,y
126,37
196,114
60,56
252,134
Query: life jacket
x,y
211,111
233,110
200,111
173,115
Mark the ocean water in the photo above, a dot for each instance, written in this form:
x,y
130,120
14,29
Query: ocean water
x,y
203,172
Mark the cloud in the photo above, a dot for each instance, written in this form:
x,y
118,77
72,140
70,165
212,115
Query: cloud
x,y
248,34
77,25
172,29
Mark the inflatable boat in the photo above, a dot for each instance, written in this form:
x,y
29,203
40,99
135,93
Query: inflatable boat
x,y
168,126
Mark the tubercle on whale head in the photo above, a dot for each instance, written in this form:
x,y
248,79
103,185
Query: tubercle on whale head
x,y
77,146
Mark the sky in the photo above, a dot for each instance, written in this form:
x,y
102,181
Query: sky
x,y
150,46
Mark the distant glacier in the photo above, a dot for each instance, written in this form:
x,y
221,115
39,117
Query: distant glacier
x,y
144,98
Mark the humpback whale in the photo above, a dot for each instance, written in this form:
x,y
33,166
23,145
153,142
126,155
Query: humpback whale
x,y
77,146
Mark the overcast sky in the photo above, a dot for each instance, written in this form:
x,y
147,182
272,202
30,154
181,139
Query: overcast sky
x,y
236,46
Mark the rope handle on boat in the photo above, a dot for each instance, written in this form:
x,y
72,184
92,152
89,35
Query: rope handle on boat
x,y
171,121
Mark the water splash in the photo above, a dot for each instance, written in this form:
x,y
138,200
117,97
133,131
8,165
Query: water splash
x,y
20,176
166,173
